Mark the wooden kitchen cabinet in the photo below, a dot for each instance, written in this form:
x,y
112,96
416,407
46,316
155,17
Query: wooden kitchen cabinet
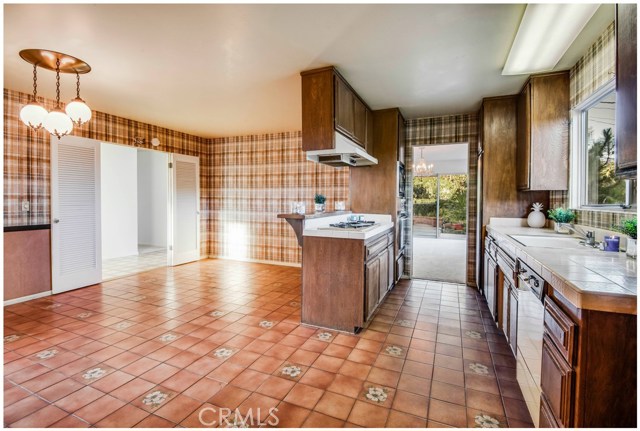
x,y
383,284
556,383
589,366
372,286
391,263
626,90
490,280
329,104
543,133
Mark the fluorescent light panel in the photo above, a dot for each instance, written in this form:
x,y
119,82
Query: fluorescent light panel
x,y
545,33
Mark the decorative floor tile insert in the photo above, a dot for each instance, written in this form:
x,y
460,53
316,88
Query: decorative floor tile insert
x,y
291,371
167,338
266,324
46,354
396,351
324,336
473,334
11,338
224,352
485,421
84,315
155,398
405,323
478,368
133,321
94,373
376,394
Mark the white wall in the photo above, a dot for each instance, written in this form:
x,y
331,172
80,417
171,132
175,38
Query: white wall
x,y
152,197
119,176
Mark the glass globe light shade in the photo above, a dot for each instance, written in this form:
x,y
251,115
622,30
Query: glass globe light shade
x,y
78,111
58,123
32,114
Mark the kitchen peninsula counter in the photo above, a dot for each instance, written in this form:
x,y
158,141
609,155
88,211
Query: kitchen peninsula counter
x,y
346,273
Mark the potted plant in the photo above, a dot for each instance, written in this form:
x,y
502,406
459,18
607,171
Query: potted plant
x,y
319,201
561,217
629,228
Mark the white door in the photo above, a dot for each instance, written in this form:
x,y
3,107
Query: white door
x,y
76,251
185,209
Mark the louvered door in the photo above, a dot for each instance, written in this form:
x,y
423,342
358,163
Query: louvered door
x,y
185,202
76,256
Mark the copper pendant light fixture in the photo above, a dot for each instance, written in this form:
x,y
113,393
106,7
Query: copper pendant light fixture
x,y
58,122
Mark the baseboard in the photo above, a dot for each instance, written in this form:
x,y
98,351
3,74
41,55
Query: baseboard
x,y
27,298
267,262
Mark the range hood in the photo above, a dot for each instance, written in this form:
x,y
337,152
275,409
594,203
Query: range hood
x,y
345,153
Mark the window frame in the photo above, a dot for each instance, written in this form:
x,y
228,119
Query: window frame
x,y
578,162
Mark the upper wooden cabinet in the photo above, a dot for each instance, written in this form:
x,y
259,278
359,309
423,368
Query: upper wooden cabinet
x,y
626,90
543,133
329,104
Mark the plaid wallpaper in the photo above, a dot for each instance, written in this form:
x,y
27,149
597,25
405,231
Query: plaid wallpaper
x,y
254,179
592,71
27,170
595,68
447,130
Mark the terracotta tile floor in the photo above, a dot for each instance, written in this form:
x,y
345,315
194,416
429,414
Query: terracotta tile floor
x,y
157,349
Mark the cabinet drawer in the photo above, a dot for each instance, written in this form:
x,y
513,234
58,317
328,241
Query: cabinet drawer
x,y
556,382
375,248
560,329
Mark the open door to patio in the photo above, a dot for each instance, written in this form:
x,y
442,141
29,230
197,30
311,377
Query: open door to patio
x,y
440,212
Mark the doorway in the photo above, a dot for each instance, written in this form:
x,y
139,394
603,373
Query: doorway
x,y
135,205
118,210
439,230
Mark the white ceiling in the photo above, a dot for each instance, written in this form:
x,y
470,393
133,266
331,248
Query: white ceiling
x,y
222,70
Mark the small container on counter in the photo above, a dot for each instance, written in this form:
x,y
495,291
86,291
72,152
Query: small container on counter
x,y
612,243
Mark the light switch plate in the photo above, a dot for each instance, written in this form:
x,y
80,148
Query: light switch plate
x,y
25,206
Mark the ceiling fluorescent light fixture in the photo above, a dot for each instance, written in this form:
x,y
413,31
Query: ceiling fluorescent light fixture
x,y
545,33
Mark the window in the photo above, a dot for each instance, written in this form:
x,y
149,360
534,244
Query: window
x,y
597,184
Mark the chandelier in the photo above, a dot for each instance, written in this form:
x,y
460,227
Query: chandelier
x,y
58,122
421,168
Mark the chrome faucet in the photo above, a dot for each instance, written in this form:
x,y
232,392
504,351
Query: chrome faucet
x,y
589,237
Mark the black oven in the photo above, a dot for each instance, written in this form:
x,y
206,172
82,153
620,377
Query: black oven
x,y
402,179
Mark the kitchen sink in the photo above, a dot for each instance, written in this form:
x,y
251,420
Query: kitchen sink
x,y
548,241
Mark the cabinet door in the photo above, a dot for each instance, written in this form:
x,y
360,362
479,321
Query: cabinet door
x,y
547,420
513,319
626,89
399,267
372,283
490,284
383,258
556,382
391,267
360,122
344,108
368,142
504,317
523,149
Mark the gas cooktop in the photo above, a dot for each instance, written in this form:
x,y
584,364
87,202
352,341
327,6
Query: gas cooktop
x,y
353,225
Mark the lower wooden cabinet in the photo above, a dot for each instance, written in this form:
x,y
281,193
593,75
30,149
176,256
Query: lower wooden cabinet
x,y
547,419
490,280
372,286
379,269
556,382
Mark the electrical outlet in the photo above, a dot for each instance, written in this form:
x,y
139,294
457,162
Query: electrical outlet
x,y
25,206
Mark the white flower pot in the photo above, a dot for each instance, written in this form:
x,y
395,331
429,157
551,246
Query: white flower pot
x,y
319,208
536,219
558,228
632,245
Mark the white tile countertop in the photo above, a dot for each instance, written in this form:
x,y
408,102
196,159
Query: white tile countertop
x,y
320,227
589,278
